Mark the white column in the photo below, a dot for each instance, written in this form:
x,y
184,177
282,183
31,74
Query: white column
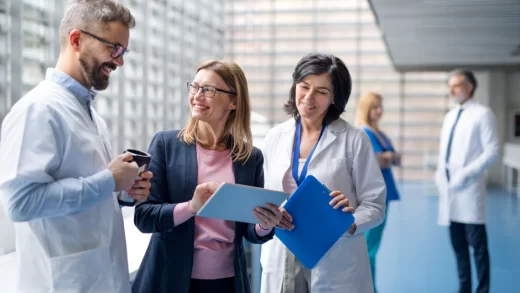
x,y
492,92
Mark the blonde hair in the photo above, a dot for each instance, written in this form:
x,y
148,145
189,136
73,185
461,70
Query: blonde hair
x,y
365,103
238,124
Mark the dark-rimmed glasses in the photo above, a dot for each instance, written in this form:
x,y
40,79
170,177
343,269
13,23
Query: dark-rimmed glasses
x,y
117,49
208,91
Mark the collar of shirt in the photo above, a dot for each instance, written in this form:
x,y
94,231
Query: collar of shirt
x,y
467,104
84,95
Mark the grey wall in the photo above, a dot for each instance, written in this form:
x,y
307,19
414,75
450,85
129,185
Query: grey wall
x,y
513,100
500,90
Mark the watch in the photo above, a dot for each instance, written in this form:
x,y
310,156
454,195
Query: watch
x,y
354,228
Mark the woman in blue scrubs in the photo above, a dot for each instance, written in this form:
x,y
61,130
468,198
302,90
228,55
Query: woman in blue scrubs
x,y
369,113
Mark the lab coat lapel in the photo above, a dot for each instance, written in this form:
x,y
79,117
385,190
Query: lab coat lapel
x,y
329,136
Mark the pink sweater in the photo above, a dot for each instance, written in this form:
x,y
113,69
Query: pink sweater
x,y
214,238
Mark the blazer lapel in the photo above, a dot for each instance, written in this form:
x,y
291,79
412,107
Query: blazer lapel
x,y
243,177
191,169
240,172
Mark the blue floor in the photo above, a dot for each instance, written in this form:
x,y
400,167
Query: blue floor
x,y
416,254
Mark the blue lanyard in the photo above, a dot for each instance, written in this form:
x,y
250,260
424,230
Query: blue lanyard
x,y
296,155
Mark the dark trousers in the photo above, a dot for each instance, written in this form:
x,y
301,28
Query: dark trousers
x,y
226,285
462,236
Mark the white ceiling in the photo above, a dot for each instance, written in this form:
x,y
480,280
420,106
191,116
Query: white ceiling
x,y
443,34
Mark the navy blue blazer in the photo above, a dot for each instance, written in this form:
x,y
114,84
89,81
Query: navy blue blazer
x,y
168,261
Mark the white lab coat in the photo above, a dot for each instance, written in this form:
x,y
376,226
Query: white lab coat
x,y
474,148
83,252
343,160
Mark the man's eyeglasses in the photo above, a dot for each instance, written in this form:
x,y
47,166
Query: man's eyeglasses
x,y
117,49
208,91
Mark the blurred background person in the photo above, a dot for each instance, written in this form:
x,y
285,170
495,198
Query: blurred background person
x,y
468,147
368,116
188,253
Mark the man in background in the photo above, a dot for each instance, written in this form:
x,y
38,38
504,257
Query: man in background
x,y
468,147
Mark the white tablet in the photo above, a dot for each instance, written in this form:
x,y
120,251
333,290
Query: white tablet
x,y
235,202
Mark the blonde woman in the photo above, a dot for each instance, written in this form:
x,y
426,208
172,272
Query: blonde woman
x,y
369,113
188,253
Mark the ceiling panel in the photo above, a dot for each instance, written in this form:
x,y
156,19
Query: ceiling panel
x,y
443,34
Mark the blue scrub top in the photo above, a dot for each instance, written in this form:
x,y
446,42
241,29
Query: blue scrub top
x,y
391,188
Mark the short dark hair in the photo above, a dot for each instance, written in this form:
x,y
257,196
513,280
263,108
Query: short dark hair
x,y
316,64
468,77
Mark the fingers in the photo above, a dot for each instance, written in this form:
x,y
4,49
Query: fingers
x,y
342,203
286,221
285,224
143,183
338,196
139,193
264,221
212,186
140,197
335,193
336,200
146,175
267,216
286,214
134,165
141,188
207,188
339,200
275,210
126,157
261,221
347,209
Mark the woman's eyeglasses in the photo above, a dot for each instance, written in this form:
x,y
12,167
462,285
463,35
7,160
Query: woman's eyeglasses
x,y
208,91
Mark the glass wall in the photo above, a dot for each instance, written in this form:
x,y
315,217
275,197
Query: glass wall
x,y
267,38
148,93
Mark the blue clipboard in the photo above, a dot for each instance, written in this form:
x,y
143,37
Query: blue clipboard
x,y
317,226
235,202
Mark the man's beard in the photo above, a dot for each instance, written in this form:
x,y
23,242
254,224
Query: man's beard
x,y
97,79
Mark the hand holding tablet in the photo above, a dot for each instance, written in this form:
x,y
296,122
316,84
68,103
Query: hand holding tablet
x,y
239,203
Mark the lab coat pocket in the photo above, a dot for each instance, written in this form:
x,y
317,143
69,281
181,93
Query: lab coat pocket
x,y
340,262
345,164
342,165
345,268
87,271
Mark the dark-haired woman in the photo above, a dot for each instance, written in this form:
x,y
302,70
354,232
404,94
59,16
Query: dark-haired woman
x,y
316,141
